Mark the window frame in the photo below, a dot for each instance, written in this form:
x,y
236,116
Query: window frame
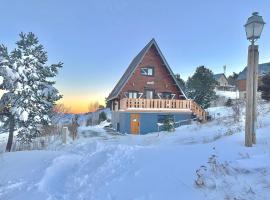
x,y
162,117
150,90
166,93
147,68
132,92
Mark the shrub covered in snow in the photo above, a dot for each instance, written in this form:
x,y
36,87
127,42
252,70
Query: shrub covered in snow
x,y
229,102
168,124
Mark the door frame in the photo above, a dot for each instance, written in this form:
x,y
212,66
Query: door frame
x,y
139,121
146,89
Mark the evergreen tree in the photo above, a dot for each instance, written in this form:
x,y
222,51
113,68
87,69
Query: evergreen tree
x,y
102,117
265,87
181,82
30,93
200,87
101,107
232,79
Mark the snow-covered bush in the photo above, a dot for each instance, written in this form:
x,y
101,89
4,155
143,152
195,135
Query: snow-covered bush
x,y
206,175
237,109
168,124
229,102
200,181
73,127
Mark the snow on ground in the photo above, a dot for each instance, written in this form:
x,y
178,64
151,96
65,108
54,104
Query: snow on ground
x,y
228,94
158,166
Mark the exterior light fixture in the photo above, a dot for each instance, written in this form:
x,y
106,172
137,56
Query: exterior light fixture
x,y
254,27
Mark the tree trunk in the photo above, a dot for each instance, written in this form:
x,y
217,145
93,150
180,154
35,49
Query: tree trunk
x,y
11,133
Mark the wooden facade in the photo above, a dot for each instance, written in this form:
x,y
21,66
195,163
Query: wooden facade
x,y
161,81
146,92
263,69
241,84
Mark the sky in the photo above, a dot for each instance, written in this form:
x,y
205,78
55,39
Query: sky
x,y
96,40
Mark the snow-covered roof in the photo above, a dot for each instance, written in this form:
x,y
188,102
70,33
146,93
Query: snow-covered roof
x,y
217,76
263,68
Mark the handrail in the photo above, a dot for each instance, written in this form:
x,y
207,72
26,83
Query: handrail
x,y
133,103
198,110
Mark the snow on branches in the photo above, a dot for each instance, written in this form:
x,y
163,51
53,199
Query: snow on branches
x,y
30,92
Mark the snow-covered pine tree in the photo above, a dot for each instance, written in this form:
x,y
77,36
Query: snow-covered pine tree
x,y
200,87
30,93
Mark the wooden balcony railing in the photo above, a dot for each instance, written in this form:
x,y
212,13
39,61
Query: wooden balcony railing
x,y
163,104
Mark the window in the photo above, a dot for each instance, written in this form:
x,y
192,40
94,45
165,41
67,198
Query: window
x,y
147,71
149,94
162,118
133,95
166,95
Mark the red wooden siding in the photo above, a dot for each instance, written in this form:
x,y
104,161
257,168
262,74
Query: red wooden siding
x,y
163,82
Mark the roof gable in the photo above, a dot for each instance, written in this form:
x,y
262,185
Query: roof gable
x,y
218,76
133,65
263,68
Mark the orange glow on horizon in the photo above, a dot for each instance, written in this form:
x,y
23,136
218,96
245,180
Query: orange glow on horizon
x,y
79,105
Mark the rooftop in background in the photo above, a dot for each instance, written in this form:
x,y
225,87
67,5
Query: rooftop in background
x,y
217,76
264,68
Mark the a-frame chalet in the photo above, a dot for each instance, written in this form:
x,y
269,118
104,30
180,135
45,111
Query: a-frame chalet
x,y
148,93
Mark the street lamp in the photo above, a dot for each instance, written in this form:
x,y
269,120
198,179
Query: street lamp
x,y
253,27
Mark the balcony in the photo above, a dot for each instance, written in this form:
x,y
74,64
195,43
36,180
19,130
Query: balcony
x,y
162,105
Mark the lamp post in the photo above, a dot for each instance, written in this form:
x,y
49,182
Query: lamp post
x,y
253,27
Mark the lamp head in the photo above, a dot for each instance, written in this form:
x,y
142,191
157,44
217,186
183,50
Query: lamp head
x,y
254,27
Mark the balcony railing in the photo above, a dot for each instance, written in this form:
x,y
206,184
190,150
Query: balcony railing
x,y
162,104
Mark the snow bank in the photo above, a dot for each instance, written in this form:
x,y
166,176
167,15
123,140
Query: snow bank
x,y
228,94
156,166
55,176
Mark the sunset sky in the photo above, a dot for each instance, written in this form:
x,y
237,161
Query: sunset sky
x,y
96,40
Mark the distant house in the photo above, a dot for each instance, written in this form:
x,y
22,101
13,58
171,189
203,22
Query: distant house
x,y
148,93
221,79
222,82
241,80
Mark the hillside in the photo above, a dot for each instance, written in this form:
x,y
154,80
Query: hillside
x,y
156,166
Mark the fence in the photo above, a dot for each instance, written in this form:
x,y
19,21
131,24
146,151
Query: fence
x,y
36,144
175,124
39,143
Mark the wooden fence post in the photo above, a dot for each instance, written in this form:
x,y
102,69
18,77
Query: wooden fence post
x,y
64,134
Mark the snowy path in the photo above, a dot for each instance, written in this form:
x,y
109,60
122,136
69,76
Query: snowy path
x,y
151,167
